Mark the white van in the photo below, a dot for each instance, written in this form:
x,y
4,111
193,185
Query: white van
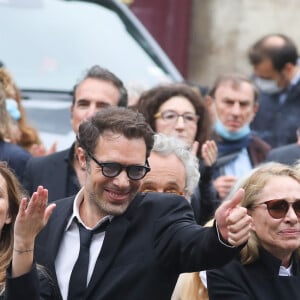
x,y
48,44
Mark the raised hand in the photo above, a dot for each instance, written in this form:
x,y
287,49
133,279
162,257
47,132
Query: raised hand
x,y
233,222
40,150
223,185
31,218
209,152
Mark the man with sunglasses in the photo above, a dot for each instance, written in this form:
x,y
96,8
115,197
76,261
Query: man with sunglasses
x,y
269,264
150,238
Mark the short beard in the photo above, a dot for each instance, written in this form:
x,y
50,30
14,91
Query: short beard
x,y
106,208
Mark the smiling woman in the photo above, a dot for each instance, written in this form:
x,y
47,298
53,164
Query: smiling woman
x,y
269,264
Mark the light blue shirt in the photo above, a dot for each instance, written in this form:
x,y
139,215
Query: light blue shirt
x,y
240,166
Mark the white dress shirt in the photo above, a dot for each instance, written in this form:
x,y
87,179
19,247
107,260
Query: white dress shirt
x,y
69,248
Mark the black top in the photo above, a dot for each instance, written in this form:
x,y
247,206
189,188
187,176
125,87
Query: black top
x,y
259,280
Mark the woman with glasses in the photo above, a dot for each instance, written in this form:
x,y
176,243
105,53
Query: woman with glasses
x,y
268,266
179,110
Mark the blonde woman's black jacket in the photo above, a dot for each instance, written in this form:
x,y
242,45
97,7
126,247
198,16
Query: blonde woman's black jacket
x,y
256,281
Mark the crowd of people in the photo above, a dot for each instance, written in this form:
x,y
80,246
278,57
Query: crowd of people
x,y
181,195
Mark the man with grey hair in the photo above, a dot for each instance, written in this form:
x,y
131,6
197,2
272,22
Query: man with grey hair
x,y
174,169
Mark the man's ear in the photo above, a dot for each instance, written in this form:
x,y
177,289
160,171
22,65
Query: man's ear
x,y
71,110
256,108
209,102
80,152
289,69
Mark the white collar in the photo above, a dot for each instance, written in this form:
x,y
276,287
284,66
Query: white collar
x,y
75,214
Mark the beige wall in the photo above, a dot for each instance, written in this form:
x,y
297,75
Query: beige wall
x,y
223,30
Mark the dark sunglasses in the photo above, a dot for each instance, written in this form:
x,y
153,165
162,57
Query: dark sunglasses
x,y
278,208
113,169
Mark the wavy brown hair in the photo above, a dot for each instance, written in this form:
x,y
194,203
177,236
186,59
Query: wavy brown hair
x,y
29,135
15,193
151,100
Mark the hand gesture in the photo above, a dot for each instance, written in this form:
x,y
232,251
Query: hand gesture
x,y
233,222
31,218
40,150
224,184
209,152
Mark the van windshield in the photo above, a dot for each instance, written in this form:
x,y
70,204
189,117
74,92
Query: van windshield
x,y
48,44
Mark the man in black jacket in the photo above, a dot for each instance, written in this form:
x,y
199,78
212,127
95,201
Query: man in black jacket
x,y
275,61
60,172
150,238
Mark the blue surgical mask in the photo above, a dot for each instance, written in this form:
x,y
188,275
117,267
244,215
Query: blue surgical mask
x,y
222,131
267,86
12,108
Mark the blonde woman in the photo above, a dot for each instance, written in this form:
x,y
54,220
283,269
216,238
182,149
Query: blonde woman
x,y
269,264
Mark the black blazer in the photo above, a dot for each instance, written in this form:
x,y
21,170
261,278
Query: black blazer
x,y
144,249
287,154
50,171
15,156
275,122
256,281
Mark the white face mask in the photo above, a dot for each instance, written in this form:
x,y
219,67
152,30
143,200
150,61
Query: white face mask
x,y
267,86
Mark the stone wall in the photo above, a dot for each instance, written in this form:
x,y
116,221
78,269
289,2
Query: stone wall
x,y
223,30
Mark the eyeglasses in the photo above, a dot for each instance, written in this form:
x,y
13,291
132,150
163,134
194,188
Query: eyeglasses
x,y
172,116
278,208
113,169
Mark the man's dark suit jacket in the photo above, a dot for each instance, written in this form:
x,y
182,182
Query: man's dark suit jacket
x,y
288,154
50,171
34,285
275,122
15,156
144,249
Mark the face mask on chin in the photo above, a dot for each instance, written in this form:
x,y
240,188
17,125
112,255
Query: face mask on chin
x,y
267,86
222,131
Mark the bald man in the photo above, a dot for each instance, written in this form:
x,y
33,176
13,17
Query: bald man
x,y
274,59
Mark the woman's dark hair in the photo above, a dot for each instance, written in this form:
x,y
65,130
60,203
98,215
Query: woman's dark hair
x,y
151,100
15,193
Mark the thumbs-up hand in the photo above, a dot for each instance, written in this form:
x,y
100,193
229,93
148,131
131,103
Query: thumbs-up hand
x,y
233,222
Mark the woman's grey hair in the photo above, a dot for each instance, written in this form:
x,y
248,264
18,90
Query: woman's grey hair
x,y
166,145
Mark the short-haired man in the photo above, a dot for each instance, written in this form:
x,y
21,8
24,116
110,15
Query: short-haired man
x,y
60,172
150,238
233,104
274,58
174,169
